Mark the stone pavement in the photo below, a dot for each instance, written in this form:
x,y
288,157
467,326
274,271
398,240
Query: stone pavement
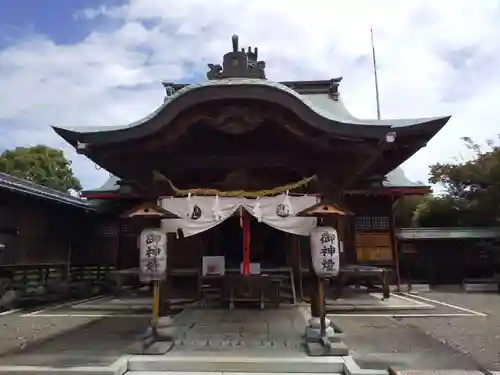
x,y
266,332
98,336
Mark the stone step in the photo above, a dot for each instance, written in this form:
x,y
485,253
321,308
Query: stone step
x,y
236,363
435,372
211,373
481,287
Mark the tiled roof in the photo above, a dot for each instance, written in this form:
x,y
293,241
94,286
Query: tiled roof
x,y
19,185
397,178
447,233
322,104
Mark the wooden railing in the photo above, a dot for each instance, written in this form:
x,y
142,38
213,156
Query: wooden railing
x,y
49,281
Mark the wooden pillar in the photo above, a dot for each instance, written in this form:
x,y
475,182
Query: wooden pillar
x,y
394,240
318,300
315,302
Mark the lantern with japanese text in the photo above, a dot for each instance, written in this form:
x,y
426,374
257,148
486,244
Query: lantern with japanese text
x,y
325,251
153,255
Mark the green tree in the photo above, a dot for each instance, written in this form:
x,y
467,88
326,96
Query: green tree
x,y
473,185
405,210
41,164
440,211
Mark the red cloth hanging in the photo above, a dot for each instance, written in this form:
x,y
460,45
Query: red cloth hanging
x,y
246,243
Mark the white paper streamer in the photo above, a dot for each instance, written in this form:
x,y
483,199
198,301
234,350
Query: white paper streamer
x,y
257,212
216,210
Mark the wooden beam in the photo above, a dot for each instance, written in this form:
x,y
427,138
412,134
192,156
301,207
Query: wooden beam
x,y
302,162
297,162
367,165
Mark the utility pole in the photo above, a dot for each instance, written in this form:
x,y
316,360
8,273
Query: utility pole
x,y
377,98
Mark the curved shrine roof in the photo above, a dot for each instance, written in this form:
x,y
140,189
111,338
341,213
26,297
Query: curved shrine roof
x,y
311,112
318,109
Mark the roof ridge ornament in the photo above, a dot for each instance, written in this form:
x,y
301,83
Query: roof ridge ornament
x,y
238,64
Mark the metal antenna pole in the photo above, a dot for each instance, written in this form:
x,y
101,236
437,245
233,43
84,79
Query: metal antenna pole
x,y
376,77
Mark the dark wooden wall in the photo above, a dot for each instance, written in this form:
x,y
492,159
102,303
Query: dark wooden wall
x,y
37,230
448,261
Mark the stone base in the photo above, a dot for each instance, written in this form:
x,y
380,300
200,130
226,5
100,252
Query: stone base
x,y
163,333
326,348
141,345
165,321
314,334
158,348
330,344
316,322
157,341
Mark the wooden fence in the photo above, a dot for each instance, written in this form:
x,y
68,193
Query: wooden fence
x,y
23,284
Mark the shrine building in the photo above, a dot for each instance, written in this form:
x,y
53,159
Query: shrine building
x,y
241,151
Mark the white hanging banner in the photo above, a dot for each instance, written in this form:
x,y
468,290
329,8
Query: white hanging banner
x,y
325,251
199,214
279,212
153,255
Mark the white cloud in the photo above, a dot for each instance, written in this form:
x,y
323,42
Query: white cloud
x,y
435,58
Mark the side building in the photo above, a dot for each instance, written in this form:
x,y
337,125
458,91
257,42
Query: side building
x,y
39,225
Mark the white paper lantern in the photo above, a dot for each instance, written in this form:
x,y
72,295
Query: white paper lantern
x,y
325,251
153,254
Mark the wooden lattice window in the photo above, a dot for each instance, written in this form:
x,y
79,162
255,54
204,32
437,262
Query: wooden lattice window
x,y
108,230
372,223
126,228
380,222
363,222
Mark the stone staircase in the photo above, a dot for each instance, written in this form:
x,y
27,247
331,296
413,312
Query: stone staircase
x,y
144,364
277,366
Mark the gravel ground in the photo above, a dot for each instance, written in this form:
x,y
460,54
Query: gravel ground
x,y
476,336
379,342
17,333
98,342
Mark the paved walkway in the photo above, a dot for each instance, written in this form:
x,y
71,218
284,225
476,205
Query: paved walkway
x,y
68,336
266,332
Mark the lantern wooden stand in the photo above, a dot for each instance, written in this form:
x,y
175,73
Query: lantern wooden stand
x,y
157,338
322,338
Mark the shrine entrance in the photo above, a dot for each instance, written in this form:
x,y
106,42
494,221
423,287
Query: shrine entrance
x,y
247,256
268,244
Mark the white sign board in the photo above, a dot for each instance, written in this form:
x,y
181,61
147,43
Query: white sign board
x,y
325,251
153,255
213,265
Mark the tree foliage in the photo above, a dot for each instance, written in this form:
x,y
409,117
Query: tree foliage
x,y
41,164
472,189
440,211
405,210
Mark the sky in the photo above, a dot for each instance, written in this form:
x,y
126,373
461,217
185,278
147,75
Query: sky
x,y
95,62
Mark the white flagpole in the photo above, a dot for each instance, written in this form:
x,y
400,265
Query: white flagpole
x,y
376,77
